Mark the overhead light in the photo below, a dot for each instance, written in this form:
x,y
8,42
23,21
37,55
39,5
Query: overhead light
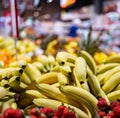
x,y
49,1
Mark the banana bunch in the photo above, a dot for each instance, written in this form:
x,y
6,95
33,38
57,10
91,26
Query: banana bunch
x,y
108,75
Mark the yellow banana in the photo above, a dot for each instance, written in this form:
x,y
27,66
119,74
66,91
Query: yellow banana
x,y
4,83
78,93
117,87
19,63
7,73
63,79
14,83
63,57
89,59
24,78
23,85
114,95
111,83
65,69
57,84
105,67
95,85
113,59
111,72
48,78
54,104
32,72
38,65
35,93
51,61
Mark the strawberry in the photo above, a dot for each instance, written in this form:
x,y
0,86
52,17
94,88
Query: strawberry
x,y
60,110
48,111
67,113
101,113
33,116
8,113
1,116
33,111
111,115
116,110
17,113
114,104
102,104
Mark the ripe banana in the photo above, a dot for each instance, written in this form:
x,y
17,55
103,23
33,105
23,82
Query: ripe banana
x,y
117,87
48,78
95,85
24,78
32,72
111,72
78,93
23,85
54,93
14,83
38,65
114,95
4,83
63,57
63,79
105,67
54,104
57,84
65,69
113,59
19,63
7,73
35,93
89,59
111,83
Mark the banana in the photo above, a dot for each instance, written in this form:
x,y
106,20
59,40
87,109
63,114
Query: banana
x,y
105,67
4,92
32,72
54,104
111,83
63,57
48,78
78,93
113,59
19,63
7,73
114,95
54,93
89,59
111,72
24,78
65,69
14,83
57,84
4,83
117,87
95,85
63,79
81,69
75,79
23,85
38,65
35,93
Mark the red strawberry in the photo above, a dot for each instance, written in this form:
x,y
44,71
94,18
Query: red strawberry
x,y
33,116
8,113
67,113
111,115
114,104
1,116
102,104
47,111
17,113
55,117
116,110
60,110
101,113
32,111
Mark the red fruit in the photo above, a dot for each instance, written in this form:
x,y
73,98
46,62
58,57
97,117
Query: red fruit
x,y
32,111
67,113
2,116
55,117
8,113
47,111
116,110
60,110
33,116
114,104
102,103
101,113
17,113
111,115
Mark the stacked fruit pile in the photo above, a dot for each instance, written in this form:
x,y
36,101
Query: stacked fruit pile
x,y
75,81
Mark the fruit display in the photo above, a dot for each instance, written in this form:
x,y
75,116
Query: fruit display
x,y
73,81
